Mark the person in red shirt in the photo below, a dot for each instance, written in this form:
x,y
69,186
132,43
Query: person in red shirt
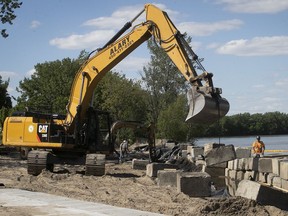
x,y
258,147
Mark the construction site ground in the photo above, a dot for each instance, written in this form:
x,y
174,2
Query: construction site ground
x,y
121,186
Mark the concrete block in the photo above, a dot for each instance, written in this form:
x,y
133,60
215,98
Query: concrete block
x,y
265,195
220,154
277,182
236,162
167,178
243,152
284,169
241,164
233,174
251,175
214,171
239,175
152,168
270,178
230,164
284,185
139,164
276,165
252,164
263,177
220,165
194,184
195,151
265,165
209,146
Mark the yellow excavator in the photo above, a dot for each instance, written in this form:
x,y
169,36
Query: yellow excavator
x,y
79,136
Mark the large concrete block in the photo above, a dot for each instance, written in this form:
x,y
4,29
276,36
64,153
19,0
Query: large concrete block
x,y
265,195
220,154
209,146
284,169
270,178
277,182
263,177
284,185
265,165
214,171
230,164
243,152
276,165
195,151
167,178
241,164
153,168
194,184
139,164
252,164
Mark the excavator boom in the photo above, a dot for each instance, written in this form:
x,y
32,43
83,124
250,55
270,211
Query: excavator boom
x,y
207,107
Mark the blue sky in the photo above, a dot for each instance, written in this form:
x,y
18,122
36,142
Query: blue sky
x,y
244,43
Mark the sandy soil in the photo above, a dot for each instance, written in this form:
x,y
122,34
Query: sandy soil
x,y
121,186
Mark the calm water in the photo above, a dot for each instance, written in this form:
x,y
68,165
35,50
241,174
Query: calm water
x,y
277,142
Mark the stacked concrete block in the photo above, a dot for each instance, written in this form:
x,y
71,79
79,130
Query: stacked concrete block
x,y
195,151
265,165
167,177
243,152
217,175
139,164
284,169
194,184
220,154
271,171
263,194
153,168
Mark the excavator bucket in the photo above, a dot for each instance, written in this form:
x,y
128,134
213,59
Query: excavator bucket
x,y
205,109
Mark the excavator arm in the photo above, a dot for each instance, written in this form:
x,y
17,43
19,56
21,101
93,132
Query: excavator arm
x,y
206,104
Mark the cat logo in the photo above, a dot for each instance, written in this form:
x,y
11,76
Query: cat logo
x,y
42,128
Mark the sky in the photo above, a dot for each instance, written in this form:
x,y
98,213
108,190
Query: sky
x,y
244,43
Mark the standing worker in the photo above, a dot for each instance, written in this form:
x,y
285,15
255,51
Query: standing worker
x,y
258,147
123,149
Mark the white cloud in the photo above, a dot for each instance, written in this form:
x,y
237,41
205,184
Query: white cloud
x,y
106,27
30,72
204,29
7,75
255,6
35,24
257,46
131,66
93,39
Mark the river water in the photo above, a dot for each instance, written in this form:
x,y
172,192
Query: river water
x,y
275,142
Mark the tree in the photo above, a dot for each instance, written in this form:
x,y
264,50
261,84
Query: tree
x,y
7,14
48,89
5,99
171,122
162,80
122,97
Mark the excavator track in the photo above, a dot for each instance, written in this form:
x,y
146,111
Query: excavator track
x,y
38,161
95,164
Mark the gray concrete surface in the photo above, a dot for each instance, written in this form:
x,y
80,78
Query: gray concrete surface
x,y
47,204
